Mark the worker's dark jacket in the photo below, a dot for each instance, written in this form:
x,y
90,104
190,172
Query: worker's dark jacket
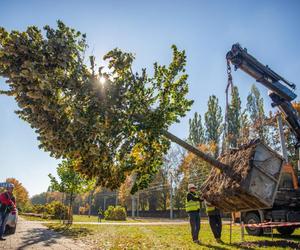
x,y
7,202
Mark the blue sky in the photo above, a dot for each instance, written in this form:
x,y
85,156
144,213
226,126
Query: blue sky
x,y
205,29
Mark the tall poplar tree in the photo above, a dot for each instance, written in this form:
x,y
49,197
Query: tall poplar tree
x,y
196,130
255,108
245,128
234,118
213,122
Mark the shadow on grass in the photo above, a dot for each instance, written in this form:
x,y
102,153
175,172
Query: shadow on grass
x,y
225,246
213,247
69,231
289,237
291,241
268,243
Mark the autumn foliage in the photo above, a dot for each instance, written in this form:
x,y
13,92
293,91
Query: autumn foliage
x,y
20,193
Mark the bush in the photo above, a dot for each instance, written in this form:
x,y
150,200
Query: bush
x,y
27,208
115,213
56,209
39,209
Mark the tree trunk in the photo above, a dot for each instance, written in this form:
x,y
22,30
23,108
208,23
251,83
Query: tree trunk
x,y
70,215
90,201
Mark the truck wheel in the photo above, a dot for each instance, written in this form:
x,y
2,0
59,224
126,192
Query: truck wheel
x,y
286,230
253,218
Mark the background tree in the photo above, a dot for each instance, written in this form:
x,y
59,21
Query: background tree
x,y
124,192
245,128
196,130
70,182
20,193
39,199
173,161
213,123
255,108
46,197
107,129
234,118
196,170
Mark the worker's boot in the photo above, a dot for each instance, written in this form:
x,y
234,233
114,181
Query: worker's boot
x,y
197,242
218,240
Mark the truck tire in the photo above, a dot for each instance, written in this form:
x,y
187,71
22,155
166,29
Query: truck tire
x,y
286,230
253,218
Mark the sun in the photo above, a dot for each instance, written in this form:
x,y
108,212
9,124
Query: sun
x,y
102,80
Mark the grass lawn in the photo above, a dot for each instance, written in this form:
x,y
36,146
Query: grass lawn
x,y
170,237
85,218
93,218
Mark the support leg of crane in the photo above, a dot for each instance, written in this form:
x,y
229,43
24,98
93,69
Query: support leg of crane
x,y
230,231
242,231
272,233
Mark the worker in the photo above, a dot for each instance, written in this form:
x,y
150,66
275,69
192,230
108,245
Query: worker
x,y
100,212
7,204
192,207
215,221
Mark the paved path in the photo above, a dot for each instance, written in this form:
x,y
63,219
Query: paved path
x,y
33,235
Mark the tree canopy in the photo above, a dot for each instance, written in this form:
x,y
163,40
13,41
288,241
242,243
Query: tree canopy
x,y
109,130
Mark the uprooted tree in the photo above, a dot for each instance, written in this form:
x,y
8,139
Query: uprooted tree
x,y
111,130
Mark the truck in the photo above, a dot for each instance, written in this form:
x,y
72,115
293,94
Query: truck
x,y
282,203
286,205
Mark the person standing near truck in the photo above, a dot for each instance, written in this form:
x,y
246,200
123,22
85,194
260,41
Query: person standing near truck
x,y
192,207
7,204
215,221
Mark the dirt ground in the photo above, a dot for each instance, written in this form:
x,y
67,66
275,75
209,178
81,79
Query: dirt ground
x,y
33,235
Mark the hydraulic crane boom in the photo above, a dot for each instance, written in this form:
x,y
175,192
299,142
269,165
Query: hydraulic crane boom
x,y
281,90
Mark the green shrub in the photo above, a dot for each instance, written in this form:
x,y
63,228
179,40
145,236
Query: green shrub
x,y
56,210
39,209
26,208
115,213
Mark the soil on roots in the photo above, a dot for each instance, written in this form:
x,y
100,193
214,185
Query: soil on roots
x,y
228,191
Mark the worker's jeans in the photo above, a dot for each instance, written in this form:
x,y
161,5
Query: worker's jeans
x,y
215,223
195,224
3,220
